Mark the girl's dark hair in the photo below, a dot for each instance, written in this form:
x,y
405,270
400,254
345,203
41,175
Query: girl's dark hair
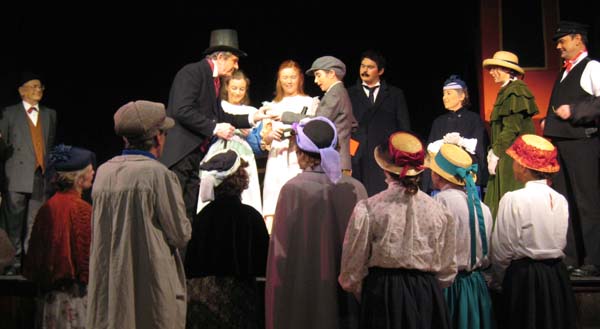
x,y
237,75
411,183
235,183
539,175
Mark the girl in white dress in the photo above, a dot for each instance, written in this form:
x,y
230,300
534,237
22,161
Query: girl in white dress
x,y
282,164
235,100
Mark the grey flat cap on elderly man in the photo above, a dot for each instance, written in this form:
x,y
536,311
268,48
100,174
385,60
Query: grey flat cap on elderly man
x,y
141,120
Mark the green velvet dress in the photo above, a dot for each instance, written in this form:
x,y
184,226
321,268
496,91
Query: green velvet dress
x,y
512,116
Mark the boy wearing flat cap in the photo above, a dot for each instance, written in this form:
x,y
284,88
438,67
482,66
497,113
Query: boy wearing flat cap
x,y
528,242
576,137
335,104
137,278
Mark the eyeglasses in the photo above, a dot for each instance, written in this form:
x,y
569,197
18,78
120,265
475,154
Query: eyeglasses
x,y
40,87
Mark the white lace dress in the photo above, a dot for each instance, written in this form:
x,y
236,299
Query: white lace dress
x,y
282,165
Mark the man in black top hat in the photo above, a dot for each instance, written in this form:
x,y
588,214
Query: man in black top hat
x,y
29,129
194,104
578,145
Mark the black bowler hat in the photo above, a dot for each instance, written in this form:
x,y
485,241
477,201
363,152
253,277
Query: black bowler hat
x,y
570,27
224,40
27,76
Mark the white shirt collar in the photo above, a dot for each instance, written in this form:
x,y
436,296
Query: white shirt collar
x,y
215,72
28,106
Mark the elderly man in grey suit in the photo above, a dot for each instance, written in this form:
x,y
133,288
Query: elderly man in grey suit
x,y
29,128
335,104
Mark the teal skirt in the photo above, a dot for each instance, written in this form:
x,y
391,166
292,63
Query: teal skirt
x,y
469,302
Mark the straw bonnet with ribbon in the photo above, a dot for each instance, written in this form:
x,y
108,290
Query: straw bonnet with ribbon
x,y
318,135
534,152
214,171
455,165
404,155
504,59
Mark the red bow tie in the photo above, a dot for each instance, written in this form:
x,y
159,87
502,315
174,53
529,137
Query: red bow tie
x,y
31,109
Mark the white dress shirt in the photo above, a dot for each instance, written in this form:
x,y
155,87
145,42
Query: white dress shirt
x,y
590,78
33,116
532,222
456,201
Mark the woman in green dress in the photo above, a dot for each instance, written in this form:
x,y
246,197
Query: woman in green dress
x,y
512,116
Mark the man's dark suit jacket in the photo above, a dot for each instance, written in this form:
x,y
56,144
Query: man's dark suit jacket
x,y
20,166
194,106
376,122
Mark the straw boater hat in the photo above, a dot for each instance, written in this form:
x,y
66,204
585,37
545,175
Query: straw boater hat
x,y
534,152
504,59
404,156
448,160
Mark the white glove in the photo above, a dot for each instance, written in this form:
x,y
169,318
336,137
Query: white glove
x,y
469,144
492,161
452,138
224,130
434,147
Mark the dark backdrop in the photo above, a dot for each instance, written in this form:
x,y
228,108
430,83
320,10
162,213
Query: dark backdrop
x,y
97,59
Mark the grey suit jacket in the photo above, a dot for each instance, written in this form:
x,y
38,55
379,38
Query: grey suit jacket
x,y
336,106
20,167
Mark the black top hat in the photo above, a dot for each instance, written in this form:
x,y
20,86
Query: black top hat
x,y
224,40
569,27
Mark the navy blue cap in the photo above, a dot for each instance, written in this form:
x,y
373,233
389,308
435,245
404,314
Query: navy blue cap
x,y
70,158
454,82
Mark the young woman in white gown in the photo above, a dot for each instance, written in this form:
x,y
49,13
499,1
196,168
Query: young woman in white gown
x,y
235,100
282,164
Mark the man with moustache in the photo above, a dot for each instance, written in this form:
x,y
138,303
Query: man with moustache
x,y
380,110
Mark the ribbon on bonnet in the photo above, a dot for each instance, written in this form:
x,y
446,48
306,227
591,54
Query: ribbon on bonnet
x,y
466,174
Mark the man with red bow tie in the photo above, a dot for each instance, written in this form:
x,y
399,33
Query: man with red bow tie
x,y
578,145
29,129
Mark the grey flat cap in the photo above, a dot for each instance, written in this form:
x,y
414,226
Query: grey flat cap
x,y
327,63
141,120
